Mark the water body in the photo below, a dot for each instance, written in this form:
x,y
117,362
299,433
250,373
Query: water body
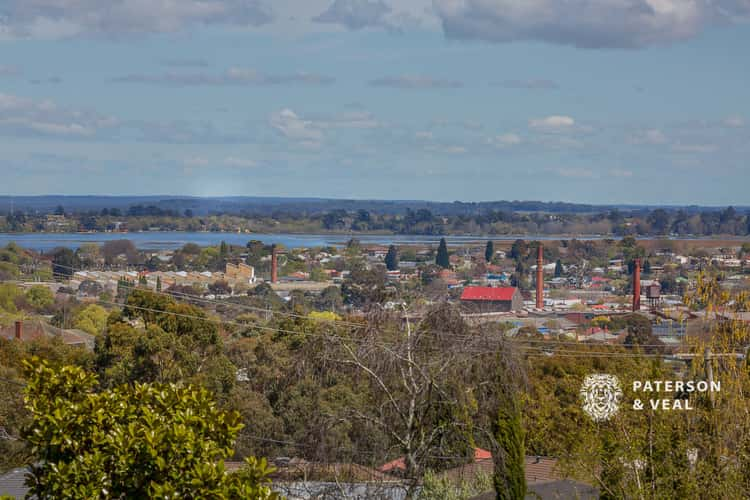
x,y
166,240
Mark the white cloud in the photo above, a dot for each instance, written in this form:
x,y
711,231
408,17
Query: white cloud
x,y
196,162
734,121
351,120
232,161
66,18
415,82
586,23
309,131
289,124
355,14
651,136
23,116
233,76
554,123
508,139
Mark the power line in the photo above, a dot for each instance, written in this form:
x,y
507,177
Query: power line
x,y
217,302
542,348
542,344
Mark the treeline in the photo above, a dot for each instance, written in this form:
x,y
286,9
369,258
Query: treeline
x,y
422,221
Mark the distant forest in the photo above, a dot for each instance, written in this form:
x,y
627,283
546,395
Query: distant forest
x,y
311,206
279,215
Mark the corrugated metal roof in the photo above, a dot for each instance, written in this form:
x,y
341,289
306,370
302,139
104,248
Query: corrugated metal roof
x,y
488,293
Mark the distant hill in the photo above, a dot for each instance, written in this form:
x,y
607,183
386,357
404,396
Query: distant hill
x,y
256,205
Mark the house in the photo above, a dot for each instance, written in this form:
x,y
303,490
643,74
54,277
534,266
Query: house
x,y
296,478
377,252
543,478
398,465
492,299
27,331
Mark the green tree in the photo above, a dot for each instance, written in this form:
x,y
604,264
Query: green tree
x,y
639,330
158,283
489,251
510,479
558,268
391,258
647,267
8,295
91,319
329,299
519,250
442,258
178,343
134,441
64,262
40,297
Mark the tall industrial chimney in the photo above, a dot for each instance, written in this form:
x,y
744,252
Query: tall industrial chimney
x,y
19,330
637,285
540,277
274,268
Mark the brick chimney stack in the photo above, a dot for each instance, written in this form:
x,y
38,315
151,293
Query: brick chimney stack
x,y
637,286
274,268
540,277
19,330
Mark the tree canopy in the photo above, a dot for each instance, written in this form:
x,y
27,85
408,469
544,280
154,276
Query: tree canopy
x,y
133,441
442,259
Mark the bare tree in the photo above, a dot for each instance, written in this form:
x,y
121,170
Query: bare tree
x,y
431,374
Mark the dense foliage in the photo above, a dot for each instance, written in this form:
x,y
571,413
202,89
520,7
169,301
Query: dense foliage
x,y
495,218
133,441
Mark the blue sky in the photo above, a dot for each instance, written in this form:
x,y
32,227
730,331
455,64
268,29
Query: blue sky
x,y
601,101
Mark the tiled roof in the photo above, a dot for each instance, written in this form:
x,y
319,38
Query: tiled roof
x,y
36,329
479,454
538,469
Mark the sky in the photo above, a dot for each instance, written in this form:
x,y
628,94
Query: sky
x,y
591,101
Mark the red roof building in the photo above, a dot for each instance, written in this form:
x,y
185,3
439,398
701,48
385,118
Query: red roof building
x,y
400,465
492,299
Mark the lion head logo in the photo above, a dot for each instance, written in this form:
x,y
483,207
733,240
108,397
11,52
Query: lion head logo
x,y
601,394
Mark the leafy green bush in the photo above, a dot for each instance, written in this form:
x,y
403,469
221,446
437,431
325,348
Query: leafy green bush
x,y
134,441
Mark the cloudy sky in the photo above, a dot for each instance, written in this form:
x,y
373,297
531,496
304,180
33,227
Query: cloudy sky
x,y
632,101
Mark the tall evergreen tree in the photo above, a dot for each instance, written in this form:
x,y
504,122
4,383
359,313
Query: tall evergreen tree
x,y
558,268
442,258
647,267
158,283
489,251
510,479
391,258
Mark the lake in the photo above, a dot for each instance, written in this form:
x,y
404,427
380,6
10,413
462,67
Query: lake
x,y
165,240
